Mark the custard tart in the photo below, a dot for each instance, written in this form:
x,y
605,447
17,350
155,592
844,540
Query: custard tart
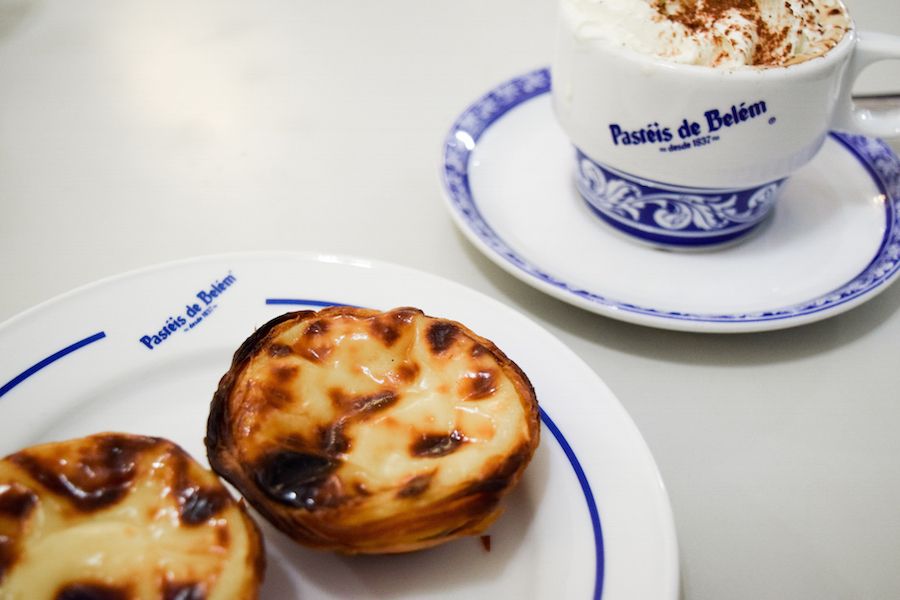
x,y
362,431
121,517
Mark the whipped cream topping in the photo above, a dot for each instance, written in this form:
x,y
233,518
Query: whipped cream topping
x,y
716,33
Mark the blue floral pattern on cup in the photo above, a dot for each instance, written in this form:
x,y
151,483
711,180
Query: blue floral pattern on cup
x,y
669,215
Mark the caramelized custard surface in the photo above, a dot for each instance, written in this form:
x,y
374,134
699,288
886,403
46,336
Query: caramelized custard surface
x,y
361,431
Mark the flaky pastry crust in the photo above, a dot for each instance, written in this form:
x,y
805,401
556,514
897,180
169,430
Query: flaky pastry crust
x,y
362,431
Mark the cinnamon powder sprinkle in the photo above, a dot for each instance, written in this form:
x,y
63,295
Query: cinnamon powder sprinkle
x,y
702,15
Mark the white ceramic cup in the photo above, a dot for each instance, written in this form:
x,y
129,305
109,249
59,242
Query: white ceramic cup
x,y
687,156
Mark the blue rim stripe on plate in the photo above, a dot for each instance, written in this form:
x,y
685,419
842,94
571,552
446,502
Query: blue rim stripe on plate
x,y
588,495
303,302
9,385
873,154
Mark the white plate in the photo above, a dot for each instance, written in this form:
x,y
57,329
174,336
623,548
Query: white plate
x,y
591,513
832,244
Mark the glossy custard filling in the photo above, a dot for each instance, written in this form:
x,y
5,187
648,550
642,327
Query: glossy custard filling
x,y
115,516
395,405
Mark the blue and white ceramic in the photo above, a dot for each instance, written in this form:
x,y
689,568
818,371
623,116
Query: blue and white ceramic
x,y
688,156
589,520
832,244
705,127
672,216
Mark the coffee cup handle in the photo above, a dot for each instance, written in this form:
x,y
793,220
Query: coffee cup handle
x,y
870,48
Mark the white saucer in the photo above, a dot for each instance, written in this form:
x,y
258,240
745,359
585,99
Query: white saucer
x,y
832,244
591,516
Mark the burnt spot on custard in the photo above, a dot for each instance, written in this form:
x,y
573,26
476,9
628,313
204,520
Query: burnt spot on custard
x,y
92,591
441,336
276,397
370,403
223,535
333,440
339,399
500,478
477,350
416,486
312,345
375,402
478,385
16,501
197,505
407,372
385,331
315,328
314,354
437,445
98,478
285,374
277,350
184,591
295,479
263,337
405,316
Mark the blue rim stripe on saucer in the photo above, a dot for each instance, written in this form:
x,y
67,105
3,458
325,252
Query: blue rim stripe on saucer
x,y
873,154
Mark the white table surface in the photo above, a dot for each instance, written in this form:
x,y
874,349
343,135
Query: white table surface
x,y
133,133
